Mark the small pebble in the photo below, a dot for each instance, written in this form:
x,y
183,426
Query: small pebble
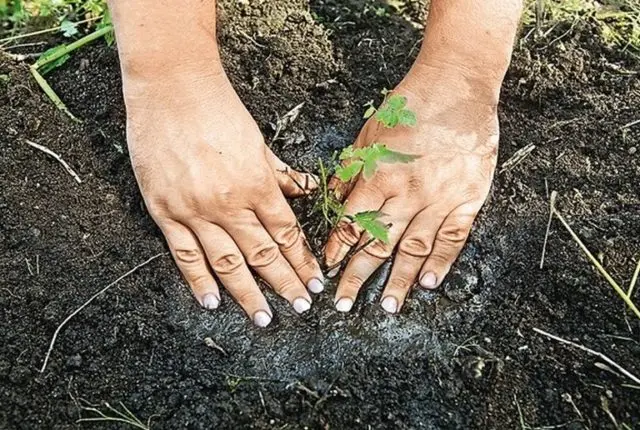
x,y
633,150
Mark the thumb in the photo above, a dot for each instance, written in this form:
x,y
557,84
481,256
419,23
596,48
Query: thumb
x,y
291,182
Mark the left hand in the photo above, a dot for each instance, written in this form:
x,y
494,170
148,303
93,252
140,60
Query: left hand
x,y
430,202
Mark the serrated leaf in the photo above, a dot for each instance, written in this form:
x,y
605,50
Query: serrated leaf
x,y
408,118
347,153
389,156
369,222
396,102
369,168
350,171
68,28
369,112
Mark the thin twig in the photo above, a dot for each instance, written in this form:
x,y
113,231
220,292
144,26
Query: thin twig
x,y
45,31
592,352
66,49
634,279
523,426
552,204
596,263
57,157
51,94
85,304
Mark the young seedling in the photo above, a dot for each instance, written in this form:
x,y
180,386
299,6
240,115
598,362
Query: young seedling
x,y
364,161
57,56
393,112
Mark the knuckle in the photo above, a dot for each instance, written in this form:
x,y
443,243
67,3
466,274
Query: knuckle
x,y
286,288
378,249
452,235
188,257
347,232
288,236
415,247
400,283
353,282
227,264
264,255
247,297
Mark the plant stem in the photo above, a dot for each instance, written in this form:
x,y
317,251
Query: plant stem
x,y
634,279
596,263
73,46
51,94
45,31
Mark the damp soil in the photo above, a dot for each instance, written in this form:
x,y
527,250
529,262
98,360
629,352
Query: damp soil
x,y
463,357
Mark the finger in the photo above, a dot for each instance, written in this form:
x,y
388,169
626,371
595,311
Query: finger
x,y
413,250
263,254
227,262
346,234
281,224
448,243
291,182
373,253
191,261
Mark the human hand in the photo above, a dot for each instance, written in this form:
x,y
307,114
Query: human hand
x,y
216,191
431,202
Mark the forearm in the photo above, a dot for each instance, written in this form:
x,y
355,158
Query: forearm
x,y
164,35
472,38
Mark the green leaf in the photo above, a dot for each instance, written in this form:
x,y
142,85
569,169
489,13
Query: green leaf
x,y
68,28
350,171
370,111
408,118
46,68
397,102
106,22
389,156
369,168
347,153
369,222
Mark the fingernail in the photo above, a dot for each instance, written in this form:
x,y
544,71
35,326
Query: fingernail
x,y
261,319
333,272
344,304
301,305
429,280
390,304
210,301
315,286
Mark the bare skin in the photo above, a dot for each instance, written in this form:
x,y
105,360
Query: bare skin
x,y
218,193
208,180
431,203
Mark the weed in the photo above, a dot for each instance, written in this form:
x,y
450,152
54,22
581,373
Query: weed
x,y
364,162
63,13
112,414
618,22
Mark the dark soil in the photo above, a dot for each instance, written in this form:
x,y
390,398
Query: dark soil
x,y
464,357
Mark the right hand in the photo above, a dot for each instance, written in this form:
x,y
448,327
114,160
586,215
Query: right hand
x,y
216,191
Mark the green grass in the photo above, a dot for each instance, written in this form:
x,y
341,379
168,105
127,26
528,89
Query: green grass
x,y
618,22
20,13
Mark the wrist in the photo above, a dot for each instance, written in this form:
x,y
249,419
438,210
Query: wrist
x,y
452,79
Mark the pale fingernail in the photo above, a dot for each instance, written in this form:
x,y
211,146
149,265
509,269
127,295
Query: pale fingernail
x,y
315,286
301,305
210,301
429,280
261,319
344,304
390,304
333,272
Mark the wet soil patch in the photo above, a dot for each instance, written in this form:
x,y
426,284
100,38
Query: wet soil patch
x,y
464,357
